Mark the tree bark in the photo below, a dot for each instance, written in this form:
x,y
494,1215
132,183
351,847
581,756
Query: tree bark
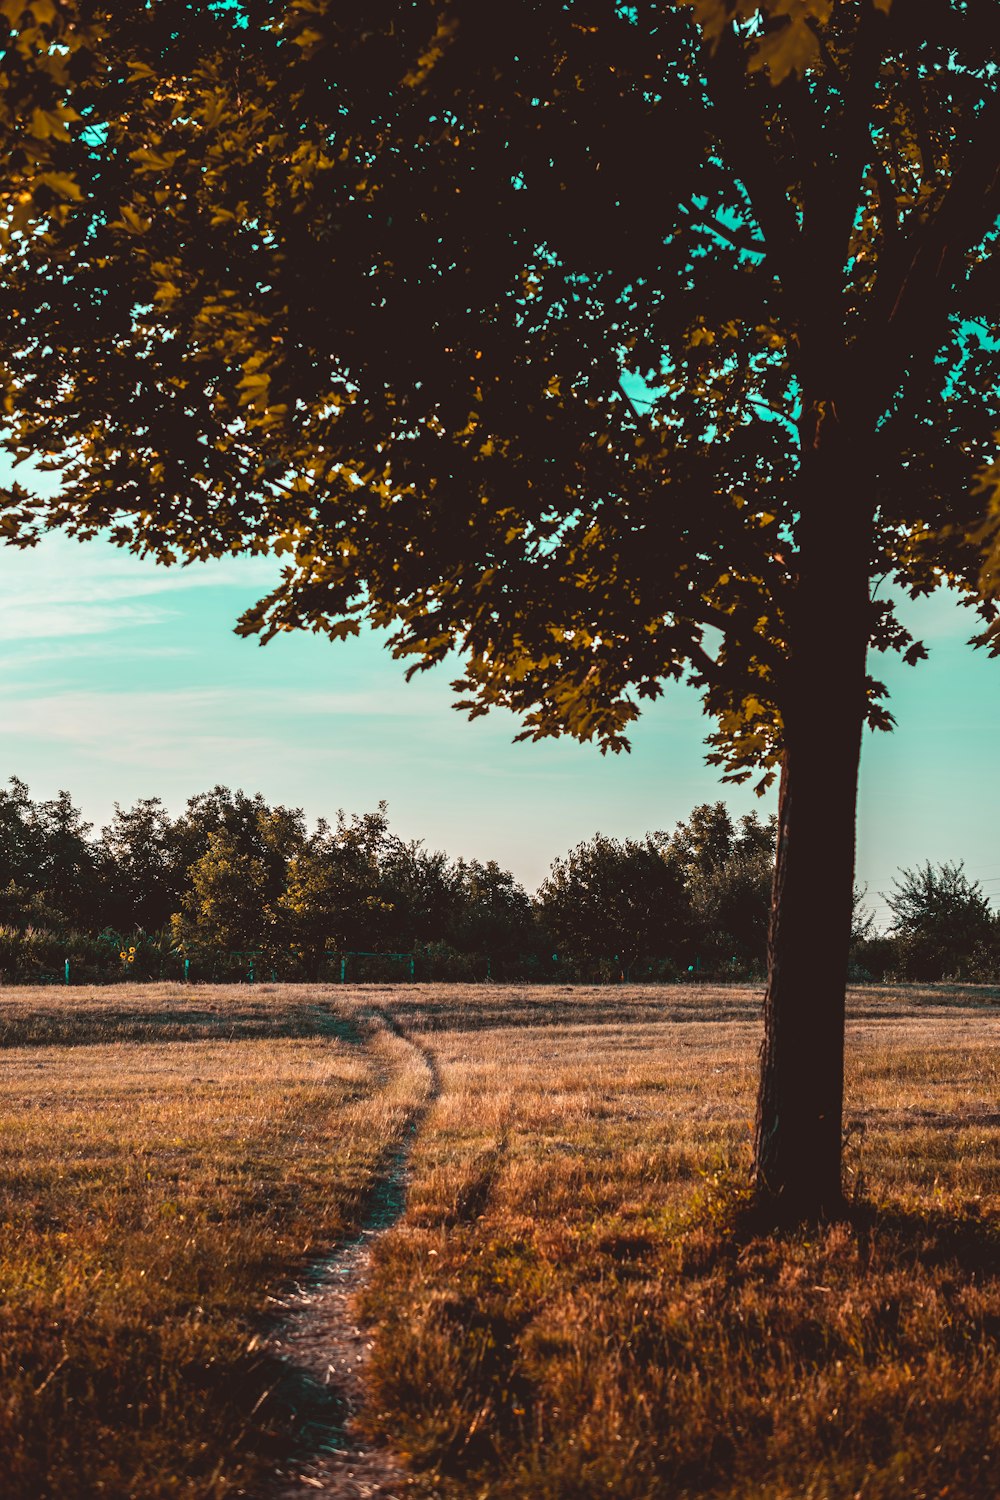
x,y
798,1133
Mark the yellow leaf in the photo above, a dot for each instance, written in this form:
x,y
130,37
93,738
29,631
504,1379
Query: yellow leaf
x,y
213,112
793,48
62,183
442,36
132,221
41,126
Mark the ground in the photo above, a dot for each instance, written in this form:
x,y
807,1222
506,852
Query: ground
x,y
574,1303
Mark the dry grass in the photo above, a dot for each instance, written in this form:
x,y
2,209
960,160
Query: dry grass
x,y
153,1193
575,1306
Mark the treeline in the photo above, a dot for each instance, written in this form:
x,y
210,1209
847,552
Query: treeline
x,y
233,883
233,877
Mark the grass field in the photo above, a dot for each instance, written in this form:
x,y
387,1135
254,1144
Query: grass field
x,y
573,1305
169,1159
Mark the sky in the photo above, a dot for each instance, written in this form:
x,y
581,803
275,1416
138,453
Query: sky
x,y
122,679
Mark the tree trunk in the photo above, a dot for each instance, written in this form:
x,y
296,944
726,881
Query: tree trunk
x,y
797,1141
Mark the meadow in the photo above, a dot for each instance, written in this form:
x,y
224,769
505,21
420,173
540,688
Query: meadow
x,y
576,1302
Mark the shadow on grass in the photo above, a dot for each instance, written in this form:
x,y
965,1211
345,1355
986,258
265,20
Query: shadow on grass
x,y
93,1026
927,1238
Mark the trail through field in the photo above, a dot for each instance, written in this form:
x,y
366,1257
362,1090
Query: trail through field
x,y
325,1350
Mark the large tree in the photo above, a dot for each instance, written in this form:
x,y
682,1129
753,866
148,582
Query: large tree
x,y
607,344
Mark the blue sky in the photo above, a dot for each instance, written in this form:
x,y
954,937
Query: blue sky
x,y
122,679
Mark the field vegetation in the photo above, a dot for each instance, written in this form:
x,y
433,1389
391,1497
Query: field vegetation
x,y
576,1302
170,1159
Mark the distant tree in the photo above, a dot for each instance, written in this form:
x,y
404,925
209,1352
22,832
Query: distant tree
x,y
48,868
19,857
229,903
420,889
942,922
863,918
357,887
258,830
706,839
491,912
333,899
729,872
615,901
235,885
142,877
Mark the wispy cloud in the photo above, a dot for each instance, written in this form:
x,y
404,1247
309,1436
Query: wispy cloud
x,y
41,620
162,727
64,588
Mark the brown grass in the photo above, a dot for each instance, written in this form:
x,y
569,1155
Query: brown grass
x,y
574,1304
153,1194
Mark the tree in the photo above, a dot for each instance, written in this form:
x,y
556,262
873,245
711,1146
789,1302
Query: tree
x,y
490,913
942,920
47,864
605,343
615,901
256,827
236,852
142,877
728,872
420,887
334,898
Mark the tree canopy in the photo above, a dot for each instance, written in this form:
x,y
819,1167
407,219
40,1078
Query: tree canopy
x,y
504,329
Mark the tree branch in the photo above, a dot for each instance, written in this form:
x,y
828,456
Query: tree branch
x,y
740,241
911,305
743,135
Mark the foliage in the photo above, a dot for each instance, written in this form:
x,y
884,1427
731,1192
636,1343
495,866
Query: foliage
x,y
729,870
231,874
47,864
595,429
37,955
141,866
478,439
943,925
491,913
619,900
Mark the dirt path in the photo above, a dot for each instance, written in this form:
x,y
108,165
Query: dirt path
x,y
326,1351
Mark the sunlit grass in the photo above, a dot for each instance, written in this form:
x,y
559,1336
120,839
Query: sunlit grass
x,y
577,1305
153,1197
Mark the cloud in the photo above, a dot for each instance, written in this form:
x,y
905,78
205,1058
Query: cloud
x,y
41,620
161,728
63,588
